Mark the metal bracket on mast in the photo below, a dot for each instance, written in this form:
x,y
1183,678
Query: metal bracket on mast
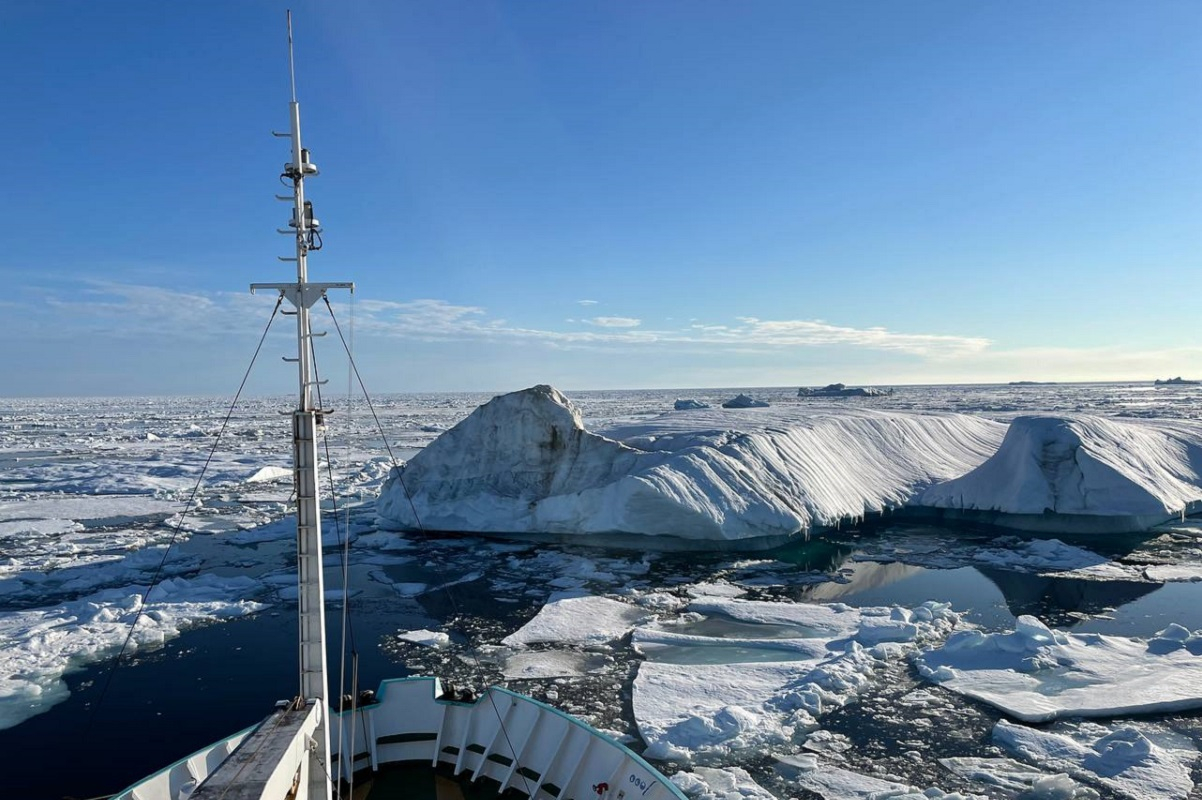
x,y
302,295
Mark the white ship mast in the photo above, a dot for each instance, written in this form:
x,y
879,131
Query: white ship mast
x,y
305,422
519,744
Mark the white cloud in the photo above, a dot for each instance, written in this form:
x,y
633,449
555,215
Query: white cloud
x,y
812,333
133,310
615,322
587,302
129,313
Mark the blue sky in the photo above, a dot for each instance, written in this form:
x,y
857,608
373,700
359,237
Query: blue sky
x,y
607,194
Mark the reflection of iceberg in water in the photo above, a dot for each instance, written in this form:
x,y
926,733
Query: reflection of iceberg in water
x,y
815,555
1057,601
863,575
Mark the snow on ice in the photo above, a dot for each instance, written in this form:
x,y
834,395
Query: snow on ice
x,y
1123,759
1036,674
524,463
43,644
706,695
834,783
1075,471
576,618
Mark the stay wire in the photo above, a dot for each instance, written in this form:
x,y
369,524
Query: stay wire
x,y
348,626
188,507
395,464
408,496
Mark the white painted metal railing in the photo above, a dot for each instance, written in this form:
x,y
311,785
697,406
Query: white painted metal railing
x,y
540,751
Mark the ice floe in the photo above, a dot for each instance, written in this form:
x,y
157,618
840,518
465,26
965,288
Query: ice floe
x,y
711,687
560,621
525,665
1122,759
1036,674
708,783
1017,778
426,637
835,783
41,645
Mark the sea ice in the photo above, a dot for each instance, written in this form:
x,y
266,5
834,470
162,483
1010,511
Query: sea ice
x,y
575,618
1017,778
1036,674
93,509
74,571
835,783
1009,553
42,645
1124,759
707,696
708,783
426,637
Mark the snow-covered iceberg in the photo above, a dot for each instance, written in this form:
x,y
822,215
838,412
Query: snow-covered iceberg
x,y
523,463
841,390
1069,473
745,401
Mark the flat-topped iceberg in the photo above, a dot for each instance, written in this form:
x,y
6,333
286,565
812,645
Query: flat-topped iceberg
x,y
841,390
523,463
1068,473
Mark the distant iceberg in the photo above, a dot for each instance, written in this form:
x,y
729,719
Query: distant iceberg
x,y
744,401
689,405
524,464
841,390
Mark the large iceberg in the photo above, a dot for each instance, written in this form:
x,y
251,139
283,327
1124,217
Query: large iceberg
x,y
523,463
1069,473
